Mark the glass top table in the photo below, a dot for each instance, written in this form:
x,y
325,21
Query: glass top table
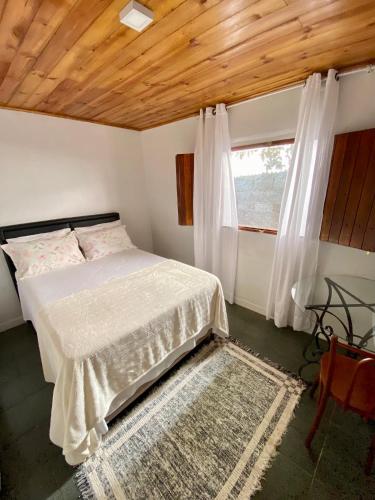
x,y
339,305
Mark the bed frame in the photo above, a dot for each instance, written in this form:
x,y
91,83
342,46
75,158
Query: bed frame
x,y
47,226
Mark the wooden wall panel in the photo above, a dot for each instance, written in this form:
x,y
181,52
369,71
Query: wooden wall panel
x,y
356,187
349,210
333,184
344,187
366,202
185,184
369,237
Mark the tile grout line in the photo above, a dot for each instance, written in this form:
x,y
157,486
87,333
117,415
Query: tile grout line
x,y
317,463
322,448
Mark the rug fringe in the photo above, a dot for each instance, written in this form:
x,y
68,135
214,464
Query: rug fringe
x,y
83,485
267,461
275,365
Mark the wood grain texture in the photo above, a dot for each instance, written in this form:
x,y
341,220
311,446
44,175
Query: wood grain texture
x,y
343,190
185,183
365,204
369,237
257,230
337,162
366,142
74,58
349,210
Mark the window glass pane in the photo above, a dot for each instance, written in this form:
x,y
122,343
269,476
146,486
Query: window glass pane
x,y
259,176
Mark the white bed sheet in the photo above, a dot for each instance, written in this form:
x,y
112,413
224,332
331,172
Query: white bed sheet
x,y
39,291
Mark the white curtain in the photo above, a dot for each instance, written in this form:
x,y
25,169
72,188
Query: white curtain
x,y
215,210
297,242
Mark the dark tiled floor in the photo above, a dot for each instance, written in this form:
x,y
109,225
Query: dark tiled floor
x,y
33,468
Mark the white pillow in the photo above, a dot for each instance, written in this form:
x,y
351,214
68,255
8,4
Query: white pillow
x,y
97,244
40,236
97,227
32,258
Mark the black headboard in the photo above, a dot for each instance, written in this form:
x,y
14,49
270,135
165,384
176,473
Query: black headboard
x,y
46,226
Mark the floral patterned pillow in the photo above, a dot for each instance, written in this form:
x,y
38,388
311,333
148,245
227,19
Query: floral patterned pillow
x,y
40,236
36,257
97,227
97,244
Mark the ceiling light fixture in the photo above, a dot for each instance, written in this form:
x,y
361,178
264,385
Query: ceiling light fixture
x,y
136,16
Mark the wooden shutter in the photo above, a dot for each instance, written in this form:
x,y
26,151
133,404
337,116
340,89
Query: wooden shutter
x,y
349,209
185,183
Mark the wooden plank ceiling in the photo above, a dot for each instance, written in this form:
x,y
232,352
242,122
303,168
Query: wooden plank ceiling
x,y
74,58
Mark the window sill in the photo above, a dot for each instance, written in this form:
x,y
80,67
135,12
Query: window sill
x,y
257,230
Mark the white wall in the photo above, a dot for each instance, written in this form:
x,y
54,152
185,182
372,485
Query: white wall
x,y
160,146
51,168
272,117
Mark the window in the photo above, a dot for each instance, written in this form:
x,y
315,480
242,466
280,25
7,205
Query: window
x,y
259,176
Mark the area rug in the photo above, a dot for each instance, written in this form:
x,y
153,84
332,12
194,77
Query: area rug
x,y
209,431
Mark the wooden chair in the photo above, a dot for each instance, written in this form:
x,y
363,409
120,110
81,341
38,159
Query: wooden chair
x,y
350,381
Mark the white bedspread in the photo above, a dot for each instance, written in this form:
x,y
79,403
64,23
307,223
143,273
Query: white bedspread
x,y
96,342
39,291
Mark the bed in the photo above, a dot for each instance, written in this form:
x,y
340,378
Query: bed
x,y
109,328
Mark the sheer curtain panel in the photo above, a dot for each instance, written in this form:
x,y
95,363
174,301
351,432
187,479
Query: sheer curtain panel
x,y
297,242
215,210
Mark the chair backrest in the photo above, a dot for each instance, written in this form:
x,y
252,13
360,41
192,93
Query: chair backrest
x,y
364,361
